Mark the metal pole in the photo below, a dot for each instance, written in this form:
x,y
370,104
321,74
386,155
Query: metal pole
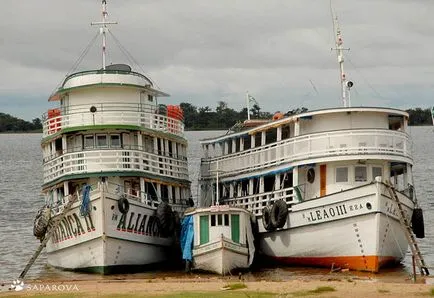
x,y
217,184
248,105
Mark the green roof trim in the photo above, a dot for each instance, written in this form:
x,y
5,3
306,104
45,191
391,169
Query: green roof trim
x,y
64,90
114,174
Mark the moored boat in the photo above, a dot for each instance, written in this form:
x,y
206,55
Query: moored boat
x,y
318,183
123,157
218,239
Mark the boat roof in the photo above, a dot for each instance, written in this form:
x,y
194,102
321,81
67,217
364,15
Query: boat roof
x,y
104,77
305,115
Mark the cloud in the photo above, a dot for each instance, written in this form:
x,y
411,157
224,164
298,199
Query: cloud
x,y
206,51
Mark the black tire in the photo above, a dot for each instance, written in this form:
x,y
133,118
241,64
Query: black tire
x,y
266,219
279,214
123,205
417,223
166,219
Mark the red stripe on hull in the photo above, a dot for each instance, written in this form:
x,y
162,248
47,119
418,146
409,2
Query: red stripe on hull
x,y
360,263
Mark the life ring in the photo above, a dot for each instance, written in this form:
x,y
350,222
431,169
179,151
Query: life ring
x,y
279,214
123,205
266,219
166,219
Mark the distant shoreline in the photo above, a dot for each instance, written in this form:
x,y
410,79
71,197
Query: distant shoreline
x,y
187,130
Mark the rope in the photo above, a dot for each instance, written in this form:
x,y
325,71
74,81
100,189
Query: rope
x,y
79,60
85,201
130,57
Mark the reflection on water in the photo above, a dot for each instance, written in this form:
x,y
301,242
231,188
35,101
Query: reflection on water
x,y
21,178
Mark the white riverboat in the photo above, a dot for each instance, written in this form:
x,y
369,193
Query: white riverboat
x,y
316,183
221,239
112,146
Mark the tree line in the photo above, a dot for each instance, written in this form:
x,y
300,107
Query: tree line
x,y
204,118
9,123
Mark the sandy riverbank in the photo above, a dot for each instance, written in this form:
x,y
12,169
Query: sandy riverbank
x,y
221,287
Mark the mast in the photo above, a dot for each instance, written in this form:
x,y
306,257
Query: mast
x,y
103,30
345,85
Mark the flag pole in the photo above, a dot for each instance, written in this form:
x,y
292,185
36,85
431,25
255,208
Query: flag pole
x,y
248,105
432,115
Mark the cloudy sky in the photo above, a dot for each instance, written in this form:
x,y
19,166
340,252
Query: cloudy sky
x,y
205,51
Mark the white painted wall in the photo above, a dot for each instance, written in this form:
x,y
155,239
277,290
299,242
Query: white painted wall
x,y
341,121
95,96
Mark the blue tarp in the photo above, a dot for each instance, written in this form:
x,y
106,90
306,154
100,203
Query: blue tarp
x,y
187,234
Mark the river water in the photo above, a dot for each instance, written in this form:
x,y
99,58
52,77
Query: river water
x,y
21,178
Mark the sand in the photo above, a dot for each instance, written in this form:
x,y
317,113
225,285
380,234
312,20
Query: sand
x,y
217,287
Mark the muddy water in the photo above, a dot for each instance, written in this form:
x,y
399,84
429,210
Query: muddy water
x,y
21,177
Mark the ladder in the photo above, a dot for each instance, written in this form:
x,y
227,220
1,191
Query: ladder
x,y
52,225
408,232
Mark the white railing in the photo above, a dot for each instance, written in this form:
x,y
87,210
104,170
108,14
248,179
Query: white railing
x,y
358,142
123,115
97,161
256,202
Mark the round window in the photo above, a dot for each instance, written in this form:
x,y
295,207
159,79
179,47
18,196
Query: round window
x,y
311,175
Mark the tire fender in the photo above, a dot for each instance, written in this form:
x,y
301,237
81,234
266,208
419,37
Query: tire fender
x,y
279,214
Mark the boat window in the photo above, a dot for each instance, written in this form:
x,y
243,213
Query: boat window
x,y
213,220
247,142
311,175
101,141
342,174
88,141
115,141
269,182
285,132
258,138
377,172
219,220
271,136
360,174
226,219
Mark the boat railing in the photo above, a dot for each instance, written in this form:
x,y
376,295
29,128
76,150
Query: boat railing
x,y
145,116
121,160
256,202
80,148
359,142
145,197
58,205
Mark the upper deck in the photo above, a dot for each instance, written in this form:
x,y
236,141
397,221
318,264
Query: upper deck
x,y
312,137
108,98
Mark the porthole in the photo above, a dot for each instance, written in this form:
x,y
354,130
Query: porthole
x,y
311,175
368,206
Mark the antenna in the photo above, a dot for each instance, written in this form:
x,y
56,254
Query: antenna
x,y
346,85
103,29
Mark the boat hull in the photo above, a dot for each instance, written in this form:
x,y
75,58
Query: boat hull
x,y
220,257
107,241
357,229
